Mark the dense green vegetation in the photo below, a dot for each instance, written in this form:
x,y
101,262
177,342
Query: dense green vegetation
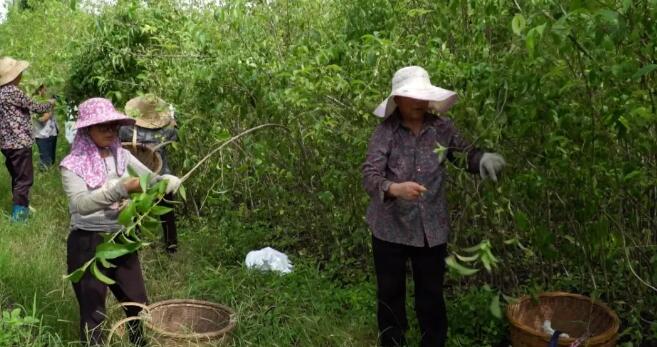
x,y
566,90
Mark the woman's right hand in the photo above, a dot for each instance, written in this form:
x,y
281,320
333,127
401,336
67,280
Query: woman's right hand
x,y
132,185
45,117
406,190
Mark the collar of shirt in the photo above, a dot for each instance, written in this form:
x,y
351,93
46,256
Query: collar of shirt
x,y
430,121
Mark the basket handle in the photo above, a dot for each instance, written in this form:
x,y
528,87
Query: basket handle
x,y
161,145
127,319
134,137
134,304
119,324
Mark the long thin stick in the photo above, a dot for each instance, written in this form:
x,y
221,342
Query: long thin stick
x,y
229,141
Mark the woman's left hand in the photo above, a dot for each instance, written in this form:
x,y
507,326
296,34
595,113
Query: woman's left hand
x,y
173,183
490,165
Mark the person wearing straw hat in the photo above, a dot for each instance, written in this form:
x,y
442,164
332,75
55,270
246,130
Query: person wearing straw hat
x,y
155,126
404,174
16,138
96,180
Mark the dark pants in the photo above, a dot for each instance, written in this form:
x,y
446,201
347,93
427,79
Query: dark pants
x,y
169,226
47,149
91,293
428,265
19,165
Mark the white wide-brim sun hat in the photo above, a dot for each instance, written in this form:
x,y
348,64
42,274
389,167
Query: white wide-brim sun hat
x,y
414,82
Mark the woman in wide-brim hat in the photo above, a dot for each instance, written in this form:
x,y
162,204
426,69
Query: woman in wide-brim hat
x,y
96,180
404,174
16,138
155,125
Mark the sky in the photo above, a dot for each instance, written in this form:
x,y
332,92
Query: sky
x,y
3,10
5,3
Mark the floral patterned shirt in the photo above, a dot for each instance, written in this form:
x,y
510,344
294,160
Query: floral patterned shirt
x,y
15,120
395,155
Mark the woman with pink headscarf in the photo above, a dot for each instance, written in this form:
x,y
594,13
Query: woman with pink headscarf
x,y
96,180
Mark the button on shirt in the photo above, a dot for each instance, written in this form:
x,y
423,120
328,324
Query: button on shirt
x,y
396,155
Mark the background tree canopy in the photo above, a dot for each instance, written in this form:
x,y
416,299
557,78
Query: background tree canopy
x,y
565,90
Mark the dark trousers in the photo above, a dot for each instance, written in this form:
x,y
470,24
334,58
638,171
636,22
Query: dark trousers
x,y
169,226
47,149
19,165
91,293
428,265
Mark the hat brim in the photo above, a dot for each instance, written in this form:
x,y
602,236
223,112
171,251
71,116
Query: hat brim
x,y
152,123
152,119
18,69
107,118
440,100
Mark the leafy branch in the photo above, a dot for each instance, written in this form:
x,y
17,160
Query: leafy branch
x,y
136,218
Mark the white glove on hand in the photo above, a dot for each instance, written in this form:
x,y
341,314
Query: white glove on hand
x,y
490,165
173,183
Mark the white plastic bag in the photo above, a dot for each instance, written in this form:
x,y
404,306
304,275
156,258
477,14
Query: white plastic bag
x,y
70,131
268,259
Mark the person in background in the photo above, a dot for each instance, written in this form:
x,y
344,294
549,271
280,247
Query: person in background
x,y
96,181
45,133
16,137
155,125
405,176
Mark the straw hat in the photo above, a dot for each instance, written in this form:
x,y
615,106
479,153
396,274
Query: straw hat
x,y
10,68
414,82
150,111
97,111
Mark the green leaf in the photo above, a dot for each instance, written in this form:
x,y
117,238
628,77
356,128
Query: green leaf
x,y
128,212
75,276
144,202
100,276
106,264
462,270
518,24
467,259
533,36
182,192
495,308
161,187
608,15
113,250
522,221
125,240
143,182
160,210
475,248
644,71
487,263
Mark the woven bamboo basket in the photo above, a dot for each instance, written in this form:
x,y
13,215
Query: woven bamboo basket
x,y
575,315
183,323
145,155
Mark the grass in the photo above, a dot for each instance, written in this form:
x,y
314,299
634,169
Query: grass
x,y
304,308
300,309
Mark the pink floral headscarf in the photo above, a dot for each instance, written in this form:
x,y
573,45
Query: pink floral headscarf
x,y
84,159
86,162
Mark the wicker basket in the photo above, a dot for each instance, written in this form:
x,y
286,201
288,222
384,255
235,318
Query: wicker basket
x,y
183,323
573,314
178,323
145,155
